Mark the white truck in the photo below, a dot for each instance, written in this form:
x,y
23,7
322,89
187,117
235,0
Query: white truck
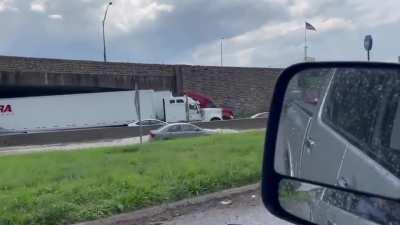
x,y
118,108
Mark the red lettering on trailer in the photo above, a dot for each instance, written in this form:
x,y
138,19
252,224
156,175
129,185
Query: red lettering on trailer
x,y
5,109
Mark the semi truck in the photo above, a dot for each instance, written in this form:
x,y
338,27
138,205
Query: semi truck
x,y
116,108
207,103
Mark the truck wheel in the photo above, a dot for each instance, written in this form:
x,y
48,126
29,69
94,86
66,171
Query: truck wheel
x,y
215,119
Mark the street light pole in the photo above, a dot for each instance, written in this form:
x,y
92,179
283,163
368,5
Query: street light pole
x,y
221,52
104,36
305,45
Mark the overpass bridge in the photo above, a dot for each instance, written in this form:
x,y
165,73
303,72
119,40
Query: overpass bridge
x,y
245,90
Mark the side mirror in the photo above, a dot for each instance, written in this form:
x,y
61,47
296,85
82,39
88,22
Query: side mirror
x,y
333,157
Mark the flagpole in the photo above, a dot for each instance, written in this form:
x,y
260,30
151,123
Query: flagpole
x,y
305,42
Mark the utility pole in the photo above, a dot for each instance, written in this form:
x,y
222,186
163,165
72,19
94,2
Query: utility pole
x,y
138,110
104,36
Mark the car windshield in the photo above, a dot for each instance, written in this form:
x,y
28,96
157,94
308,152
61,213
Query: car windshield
x,y
141,111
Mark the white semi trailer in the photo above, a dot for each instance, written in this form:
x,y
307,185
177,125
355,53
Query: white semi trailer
x,y
72,111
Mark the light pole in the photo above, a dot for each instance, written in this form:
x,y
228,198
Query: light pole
x,y
221,52
104,36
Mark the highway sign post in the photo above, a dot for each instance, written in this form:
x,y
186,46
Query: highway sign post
x,y
368,42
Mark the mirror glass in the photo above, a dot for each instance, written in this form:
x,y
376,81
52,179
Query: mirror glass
x,y
322,205
341,126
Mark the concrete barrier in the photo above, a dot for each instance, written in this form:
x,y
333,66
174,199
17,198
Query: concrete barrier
x,y
108,133
239,124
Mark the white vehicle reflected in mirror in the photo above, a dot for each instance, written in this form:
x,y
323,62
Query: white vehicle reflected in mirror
x,y
340,126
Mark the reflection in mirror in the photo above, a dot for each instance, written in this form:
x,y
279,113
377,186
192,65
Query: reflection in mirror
x,y
322,205
341,126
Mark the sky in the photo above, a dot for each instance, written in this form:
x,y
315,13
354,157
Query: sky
x,y
256,33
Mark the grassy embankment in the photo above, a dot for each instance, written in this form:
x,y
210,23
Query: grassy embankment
x,y
67,187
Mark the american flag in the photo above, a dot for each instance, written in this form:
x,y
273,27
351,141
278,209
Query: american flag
x,y
310,27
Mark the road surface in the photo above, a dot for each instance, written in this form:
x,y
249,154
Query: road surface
x,y
244,208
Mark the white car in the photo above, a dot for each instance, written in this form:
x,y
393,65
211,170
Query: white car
x,y
147,122
179,130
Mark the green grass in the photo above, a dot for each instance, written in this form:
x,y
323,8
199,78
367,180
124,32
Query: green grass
x,y
68,187
288,191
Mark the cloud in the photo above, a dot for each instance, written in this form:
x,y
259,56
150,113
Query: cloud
x,y
126,15
38,6
257,32
7,5
370,14
176,35
242,47
300,8
331,24
55,16
282,42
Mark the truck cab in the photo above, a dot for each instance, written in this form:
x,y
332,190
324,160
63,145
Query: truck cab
x,y
179,109
210,108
